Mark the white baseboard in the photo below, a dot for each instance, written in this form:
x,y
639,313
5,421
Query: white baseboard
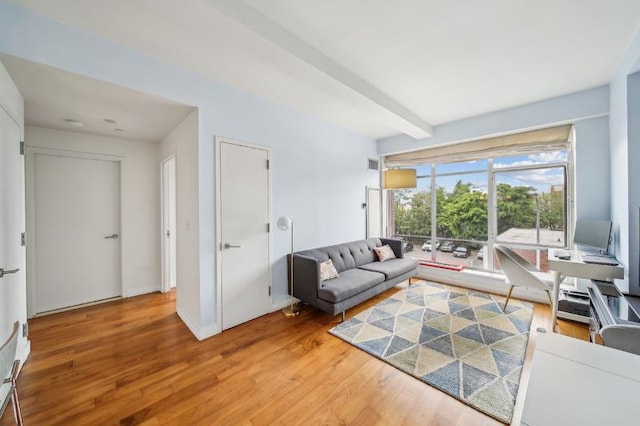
x,y
137,291
196,330
281,304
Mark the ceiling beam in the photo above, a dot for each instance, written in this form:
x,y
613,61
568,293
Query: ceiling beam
x,y
391,111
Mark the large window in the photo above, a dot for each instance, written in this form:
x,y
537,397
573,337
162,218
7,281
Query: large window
x,y
461,208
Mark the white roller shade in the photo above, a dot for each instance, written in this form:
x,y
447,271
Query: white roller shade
x,y
551,139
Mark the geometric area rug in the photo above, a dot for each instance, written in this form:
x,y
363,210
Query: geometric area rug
x,y
459,341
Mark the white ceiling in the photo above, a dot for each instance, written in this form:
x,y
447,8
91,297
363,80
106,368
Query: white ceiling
x,y
53,96
377,67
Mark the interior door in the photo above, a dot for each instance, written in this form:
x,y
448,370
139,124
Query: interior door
x,y
77,227
169,224
12,256
244,199
374,212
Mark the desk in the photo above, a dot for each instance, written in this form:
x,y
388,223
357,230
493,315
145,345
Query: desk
x,y
575,267
573,382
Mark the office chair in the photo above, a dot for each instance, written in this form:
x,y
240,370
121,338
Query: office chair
x,y
519,272
9,366
624,337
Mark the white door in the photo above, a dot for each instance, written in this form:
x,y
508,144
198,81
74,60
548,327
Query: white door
x,y
12,257
374,213
169,223
77,227
244,210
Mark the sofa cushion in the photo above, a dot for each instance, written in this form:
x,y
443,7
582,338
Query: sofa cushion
x,y
392,267
328,271
348,255
384,253
349,283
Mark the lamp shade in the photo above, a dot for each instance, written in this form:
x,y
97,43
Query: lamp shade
x,y
284,223
399,179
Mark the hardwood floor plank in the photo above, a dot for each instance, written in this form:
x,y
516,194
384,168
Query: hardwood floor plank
x,y
133,361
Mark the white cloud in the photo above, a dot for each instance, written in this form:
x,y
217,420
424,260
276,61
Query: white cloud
x,y
549,157
540,158
515,164
539,178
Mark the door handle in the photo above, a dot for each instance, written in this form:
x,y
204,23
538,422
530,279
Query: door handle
x,y
9,271
228,246
113,236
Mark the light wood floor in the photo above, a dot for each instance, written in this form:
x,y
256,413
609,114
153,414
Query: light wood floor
x,y
134,362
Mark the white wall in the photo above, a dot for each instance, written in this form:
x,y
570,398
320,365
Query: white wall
x,y
633,125
565,109
140,214
11,99
13,303
593,181
183,143
625,174
319,170
587,109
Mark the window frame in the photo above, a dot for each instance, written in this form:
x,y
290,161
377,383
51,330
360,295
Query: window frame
x,y
567,165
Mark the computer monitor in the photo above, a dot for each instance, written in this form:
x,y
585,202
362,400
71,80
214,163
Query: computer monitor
x,y
593,233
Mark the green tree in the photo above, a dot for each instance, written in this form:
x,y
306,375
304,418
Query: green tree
x,y
401,200
516,207
554,218
420,213
463,214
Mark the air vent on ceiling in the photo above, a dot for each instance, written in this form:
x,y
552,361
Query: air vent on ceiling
x,y
373,164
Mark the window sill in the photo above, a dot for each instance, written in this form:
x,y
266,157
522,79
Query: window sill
x,y
490,282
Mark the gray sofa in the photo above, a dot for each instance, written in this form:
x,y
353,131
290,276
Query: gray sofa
x,y
361,274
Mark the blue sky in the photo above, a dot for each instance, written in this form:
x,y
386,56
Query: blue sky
x,y
541,180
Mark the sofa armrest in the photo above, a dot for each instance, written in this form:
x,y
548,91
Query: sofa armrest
x,y
396,246
306,278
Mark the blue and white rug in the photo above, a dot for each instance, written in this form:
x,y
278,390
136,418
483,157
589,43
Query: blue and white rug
x,y
456,340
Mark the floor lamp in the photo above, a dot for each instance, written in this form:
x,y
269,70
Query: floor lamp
x,y
284,224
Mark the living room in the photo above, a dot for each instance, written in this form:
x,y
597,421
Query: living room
x,y
318,159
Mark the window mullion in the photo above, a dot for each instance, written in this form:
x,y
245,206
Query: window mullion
x,y
434,212
491,216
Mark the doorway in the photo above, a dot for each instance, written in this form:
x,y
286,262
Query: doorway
x,y
244,273
169,221
74,248
12,254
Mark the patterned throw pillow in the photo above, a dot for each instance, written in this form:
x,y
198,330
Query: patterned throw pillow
x,y
327,271
384,253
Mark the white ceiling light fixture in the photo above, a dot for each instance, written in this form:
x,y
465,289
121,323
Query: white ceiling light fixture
x,y
73,123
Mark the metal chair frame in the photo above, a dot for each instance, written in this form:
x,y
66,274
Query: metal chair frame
x,y
9,368
521,273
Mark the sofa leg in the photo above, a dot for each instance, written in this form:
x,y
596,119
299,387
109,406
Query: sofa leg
x,y
344,316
